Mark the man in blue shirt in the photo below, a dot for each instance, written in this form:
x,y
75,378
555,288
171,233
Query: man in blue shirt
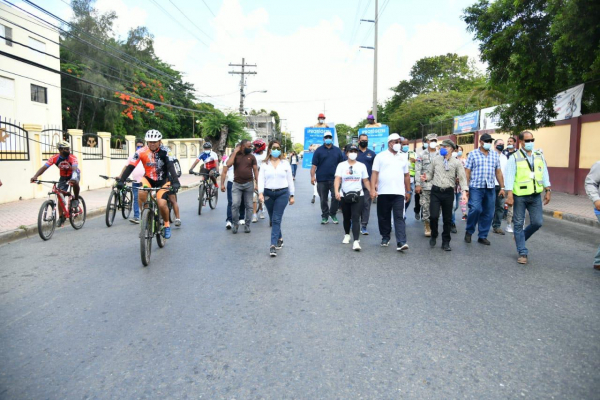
x,y
366,157
324,163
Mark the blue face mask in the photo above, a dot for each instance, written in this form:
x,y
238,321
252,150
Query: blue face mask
x,y
405,148
425,146
444,151
510,147
528,146
138,147
276,153
459,153
487,146
328,141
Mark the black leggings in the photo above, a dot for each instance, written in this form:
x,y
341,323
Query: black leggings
x,y
352,212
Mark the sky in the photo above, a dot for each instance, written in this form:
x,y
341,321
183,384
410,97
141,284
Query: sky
x,y
307,52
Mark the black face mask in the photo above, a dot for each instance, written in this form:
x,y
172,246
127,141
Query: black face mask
x,y
247,150
65,154
500,147
363,143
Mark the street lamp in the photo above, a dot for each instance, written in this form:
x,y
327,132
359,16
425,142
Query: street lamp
x,y
255,91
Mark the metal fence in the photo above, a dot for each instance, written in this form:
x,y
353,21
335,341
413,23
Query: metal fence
x,y
92,147
118,148
14,141
50,136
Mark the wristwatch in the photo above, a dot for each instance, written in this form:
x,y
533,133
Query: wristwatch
x,y
548,190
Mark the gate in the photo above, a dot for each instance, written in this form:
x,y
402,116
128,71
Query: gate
x,y
50,137
92,147
118,148
14,142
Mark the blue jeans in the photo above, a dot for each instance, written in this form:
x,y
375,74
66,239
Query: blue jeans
x,y
481,210
532,204
136,206
294,168
597,258
457,197
276,202
230,201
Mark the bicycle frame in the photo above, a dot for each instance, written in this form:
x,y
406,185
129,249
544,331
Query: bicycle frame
x,y
60,197
151,204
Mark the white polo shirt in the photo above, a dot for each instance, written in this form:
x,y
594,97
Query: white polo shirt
x,y
391,170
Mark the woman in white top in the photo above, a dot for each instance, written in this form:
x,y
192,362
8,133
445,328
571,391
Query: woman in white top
x,y
275,189
351,175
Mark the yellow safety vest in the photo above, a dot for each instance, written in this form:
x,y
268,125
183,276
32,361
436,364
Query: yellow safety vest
x,y
525,183
411,167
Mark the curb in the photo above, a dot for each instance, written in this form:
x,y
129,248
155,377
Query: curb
x,y
32,230
561,215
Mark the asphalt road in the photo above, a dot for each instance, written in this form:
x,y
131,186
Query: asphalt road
x,y
214,317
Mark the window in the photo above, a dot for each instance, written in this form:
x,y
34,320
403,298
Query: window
x,y
39,46
6,32
7,87
39,94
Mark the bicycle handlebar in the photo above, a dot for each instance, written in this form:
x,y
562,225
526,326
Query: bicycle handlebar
x,y
115,178
216,174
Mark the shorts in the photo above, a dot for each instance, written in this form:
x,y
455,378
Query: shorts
x,y
161,194
63,182
206,171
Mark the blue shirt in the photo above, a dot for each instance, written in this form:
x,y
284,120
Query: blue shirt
x,y
483,168
326,161
366,157
511,172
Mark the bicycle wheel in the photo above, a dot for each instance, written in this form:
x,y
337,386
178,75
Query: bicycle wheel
x,y
160,239
147,222
212,201
200,198
47,220
111,209
177,168
171,210
126,203
77,219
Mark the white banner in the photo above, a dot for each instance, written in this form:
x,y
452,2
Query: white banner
x,y
568,103
486,121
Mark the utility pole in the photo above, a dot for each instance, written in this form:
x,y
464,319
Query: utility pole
x,y
374,48
242,81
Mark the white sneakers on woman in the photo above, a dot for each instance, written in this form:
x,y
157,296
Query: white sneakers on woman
x,y
356,246
346,239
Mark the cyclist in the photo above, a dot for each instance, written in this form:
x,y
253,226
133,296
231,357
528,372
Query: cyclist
x,y
69,174
173,198
210,161
260,154
158,166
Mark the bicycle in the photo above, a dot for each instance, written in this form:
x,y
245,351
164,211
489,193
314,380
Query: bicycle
x,y
152,225
207,192
47,213
118,200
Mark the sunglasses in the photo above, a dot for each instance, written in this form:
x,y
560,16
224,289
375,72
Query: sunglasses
x,y
275,148
529,140
351,171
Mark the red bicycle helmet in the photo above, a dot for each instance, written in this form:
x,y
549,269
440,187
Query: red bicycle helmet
x,y
259,145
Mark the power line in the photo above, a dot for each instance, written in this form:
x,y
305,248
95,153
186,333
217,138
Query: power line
x,y
188,18
178,22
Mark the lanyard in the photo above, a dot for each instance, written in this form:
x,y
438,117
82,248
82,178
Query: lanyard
x,y
527,159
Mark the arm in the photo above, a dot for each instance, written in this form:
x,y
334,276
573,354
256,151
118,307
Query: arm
x,y
374,180
511,169
407,185
128,170
500,181
336,187
291,185
546,183
196,161
231,158
223,178
418,168
592,185
255,170
39,172
462,181
313,177
261,183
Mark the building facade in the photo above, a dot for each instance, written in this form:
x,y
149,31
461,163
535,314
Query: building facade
x,y
262,124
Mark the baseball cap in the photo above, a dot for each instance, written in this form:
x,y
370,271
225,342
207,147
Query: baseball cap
x,y
449,143
431,136
327,133
393,136
485,137
351,147
322,116
370,116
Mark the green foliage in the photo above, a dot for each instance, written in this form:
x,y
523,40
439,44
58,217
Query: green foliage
x,y
345,133
213,124
298,148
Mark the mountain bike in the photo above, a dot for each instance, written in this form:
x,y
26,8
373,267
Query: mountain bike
x,y
207,192
151,225
62,199
118,200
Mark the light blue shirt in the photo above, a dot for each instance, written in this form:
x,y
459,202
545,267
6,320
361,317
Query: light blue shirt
x,y
511,171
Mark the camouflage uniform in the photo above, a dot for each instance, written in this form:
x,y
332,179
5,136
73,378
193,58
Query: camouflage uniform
x,y
423,165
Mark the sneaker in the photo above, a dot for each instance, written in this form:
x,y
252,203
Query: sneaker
x,y
499,231
402,246
464,217
509,228
432,242
279,244
364,231
228,225
346,239
74,204
522,259
483,241
254,218
261,215
313,200
417,216
453,228
242,222
246,228
177,222
272,251
446,246
234,229
168,232
324,221
356,245
61,221
385,243
335,220
134,220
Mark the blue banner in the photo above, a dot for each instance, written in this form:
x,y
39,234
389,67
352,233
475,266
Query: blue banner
x,y
466,123
313,138
378,137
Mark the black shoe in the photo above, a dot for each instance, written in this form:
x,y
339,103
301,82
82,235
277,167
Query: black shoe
x,y
75,205
246,228
432,242
453,229
468,237
483,241
313,200
446,247
417,216
61,221
234,228
279,244
385,243
272,251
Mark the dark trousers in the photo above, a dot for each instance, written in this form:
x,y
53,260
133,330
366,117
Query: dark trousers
x,y
417,201
366,210
229,202
276,202
441,200
388,204
324,188
351,213
498,210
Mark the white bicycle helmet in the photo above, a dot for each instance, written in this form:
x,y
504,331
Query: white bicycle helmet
x,y
153,136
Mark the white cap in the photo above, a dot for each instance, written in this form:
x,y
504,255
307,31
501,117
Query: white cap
x,y
327,133
393,136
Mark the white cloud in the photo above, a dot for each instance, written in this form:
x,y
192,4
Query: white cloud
x,y
127,17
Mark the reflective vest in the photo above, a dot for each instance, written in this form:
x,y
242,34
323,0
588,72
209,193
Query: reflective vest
x,y
411,165
525,184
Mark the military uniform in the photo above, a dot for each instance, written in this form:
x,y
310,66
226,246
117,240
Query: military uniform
x,y
423,165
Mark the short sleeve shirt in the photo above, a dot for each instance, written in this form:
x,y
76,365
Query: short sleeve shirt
x,y
483,169
66,165
391,168
210,160
352,176
326,160
243,168
366,157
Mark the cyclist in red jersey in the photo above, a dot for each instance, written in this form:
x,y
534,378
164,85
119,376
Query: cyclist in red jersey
x,y
210,161
158,166
69,174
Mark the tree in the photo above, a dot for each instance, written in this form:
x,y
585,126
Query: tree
x,y
535,49
345,134
223,130
298,148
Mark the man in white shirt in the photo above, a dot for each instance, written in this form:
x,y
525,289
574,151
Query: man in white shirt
x,y
389,180
499,207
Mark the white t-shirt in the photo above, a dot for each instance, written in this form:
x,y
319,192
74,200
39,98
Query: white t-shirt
x,y
391,170
260,158
230,174
503,162
352,179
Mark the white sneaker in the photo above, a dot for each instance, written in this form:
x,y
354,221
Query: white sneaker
x,y
346,239
242,222
509,228
177,222
356,246
228,225
254,218
262,215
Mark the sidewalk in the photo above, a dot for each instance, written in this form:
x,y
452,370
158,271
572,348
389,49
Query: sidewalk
x,y
572,208
22,215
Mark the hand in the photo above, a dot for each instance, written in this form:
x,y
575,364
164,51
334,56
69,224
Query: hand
x,y
32,180
292,201
418,189
407,197
71,182
465,197
547,198
597,204
313,180
120,185
373,194
501,193
237,148
509,199
191,171
261,198
424,177
223,187
175,186
338,196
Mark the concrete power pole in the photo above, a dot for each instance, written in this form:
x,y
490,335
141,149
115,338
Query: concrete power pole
x,y
374,48
242,81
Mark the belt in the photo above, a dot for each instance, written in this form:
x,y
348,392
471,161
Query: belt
x,y
276,190
442,189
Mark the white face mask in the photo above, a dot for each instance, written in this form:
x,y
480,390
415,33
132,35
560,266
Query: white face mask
x,y
352,156
454,154
432,145
207,151
321,120
396,147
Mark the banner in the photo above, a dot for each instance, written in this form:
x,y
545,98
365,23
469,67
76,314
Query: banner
x,y
313,138
378,137
486,121
466,123
568,103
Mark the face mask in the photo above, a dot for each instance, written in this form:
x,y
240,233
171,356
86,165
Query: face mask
x,y
405,148
247,150
363,143
528,146
396,147
459,154
352,156
425,146
275,153
500,147
65,154
487,146
433,145
444,152
328,141
454,155
207,151
321,120
138,147
510,147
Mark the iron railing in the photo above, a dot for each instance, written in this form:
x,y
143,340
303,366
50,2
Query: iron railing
x,y
14,141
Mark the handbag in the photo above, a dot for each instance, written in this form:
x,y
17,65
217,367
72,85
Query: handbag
x,y
351,197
